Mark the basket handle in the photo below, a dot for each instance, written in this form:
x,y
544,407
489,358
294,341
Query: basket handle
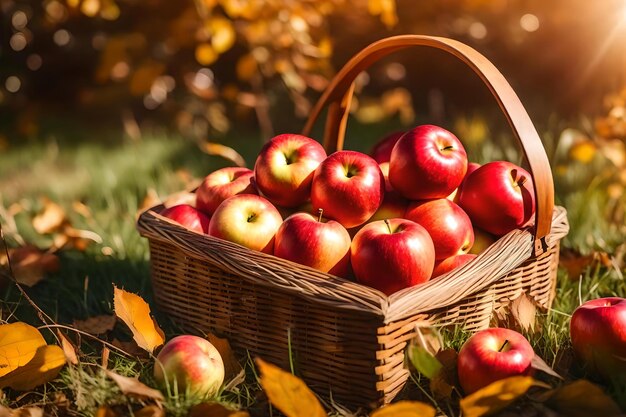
x,y
338,96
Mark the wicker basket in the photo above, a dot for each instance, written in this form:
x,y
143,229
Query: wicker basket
x,y
348,340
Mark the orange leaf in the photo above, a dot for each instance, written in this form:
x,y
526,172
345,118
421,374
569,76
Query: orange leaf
x,y
30,264
581,398
405,409
212,148
50,219
496,396
43,368
68,349
135,312
18,345
231,365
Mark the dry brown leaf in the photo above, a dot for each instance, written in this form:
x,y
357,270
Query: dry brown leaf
x,y
214,410
30,264
50,219
212,148
68,348
496,396
104,362
135,312
442,385
405,409
523,311
288,393
105,412
231,365
539,364
18,346
150,411
28,412
576,264
581,398
131,348
134,387
43,368
96,325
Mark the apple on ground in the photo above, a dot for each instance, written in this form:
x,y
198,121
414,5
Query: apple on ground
x,y
192,363
390,255
482,240
427,162
448,225
598,332
451,263
349,187
498,197
247,219
222,184
316,242
381,152
284,169
493,354
189,217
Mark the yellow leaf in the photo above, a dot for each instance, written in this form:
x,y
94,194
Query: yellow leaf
x,y
222,35
205,54
581,398
405,409
496,396
386,9
18,345
43,368
135,312
50,219
246,67
288,393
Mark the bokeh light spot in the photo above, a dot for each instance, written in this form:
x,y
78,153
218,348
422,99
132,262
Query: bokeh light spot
x,y
62,37
13,84
18,41
19,20
529,22
34,62
477,30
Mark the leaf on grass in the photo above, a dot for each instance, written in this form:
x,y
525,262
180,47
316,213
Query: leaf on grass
x,y
150,411
523,311
405,409
442,385
540,365
134,387
131,348
496,396
231,364
105,412
96,325
21,412
30,264
135,312
50,219
288,393
215,410
18,346
68,349
228,153
581,398
576,264
42,368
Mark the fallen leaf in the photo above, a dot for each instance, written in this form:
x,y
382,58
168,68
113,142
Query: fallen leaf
x,y
42,368
131,348
68,349
523,311
288,393
442,385
581,398
18,346
150,411
96,325
425,363
231,364
50,219
134,387
576,264
540,365
30,264
135,312
496,396
7,412
405,409
214,410
105,412
104,362
212,148
28,412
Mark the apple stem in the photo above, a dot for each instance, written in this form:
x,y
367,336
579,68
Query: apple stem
x,y
388,225
320,212
447,148
506,342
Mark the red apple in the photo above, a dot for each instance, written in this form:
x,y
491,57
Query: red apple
x,y
284,169
491,355
451,263
381,152
427,162
482,240
247,219
393,206
498,197
316,242
349,187
222,184
392,254
454,196
189,217
192,363
598,331
447,223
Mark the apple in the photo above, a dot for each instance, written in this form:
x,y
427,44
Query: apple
x,y
284,169
247,219
191,362
189,217
222,184
498,197
427,162
384,168
454,196
316,242
349,187
393,206
390,255
493,354
381,152
451,263
446,222
482,240
598,331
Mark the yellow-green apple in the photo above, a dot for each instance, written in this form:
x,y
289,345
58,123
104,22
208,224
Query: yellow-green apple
x,y
349,187
498,197
427,162
189,217
192,363
598,331
314,241
390,255
247,219
491,355
451,263
381,152
284,169
446,222
482,240
222,184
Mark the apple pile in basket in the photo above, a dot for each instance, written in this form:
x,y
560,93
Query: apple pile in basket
x,y
412,211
